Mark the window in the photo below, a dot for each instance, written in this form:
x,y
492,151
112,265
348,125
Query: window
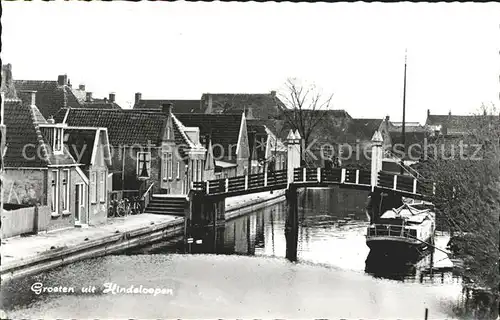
x,y
102,187
57,147
54,186
93,189
65,197
143,164
178,170
170,165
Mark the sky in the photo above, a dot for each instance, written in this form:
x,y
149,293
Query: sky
x,y
179,50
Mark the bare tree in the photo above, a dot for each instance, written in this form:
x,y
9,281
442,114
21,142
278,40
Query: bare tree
x,y
305,107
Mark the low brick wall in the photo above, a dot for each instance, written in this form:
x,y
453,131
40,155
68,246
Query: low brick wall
x,y
24,220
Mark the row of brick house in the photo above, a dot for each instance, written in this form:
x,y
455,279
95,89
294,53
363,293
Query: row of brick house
x,y
70,151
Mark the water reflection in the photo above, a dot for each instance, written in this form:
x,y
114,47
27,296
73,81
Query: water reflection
x,y
327,245
326,233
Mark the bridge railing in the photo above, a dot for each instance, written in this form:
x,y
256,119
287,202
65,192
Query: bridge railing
x,y
333,175
242,183
405,183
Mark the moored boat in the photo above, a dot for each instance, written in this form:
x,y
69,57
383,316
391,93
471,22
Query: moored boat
x,y
406,231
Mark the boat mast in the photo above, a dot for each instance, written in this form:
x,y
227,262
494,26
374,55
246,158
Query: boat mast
x,y
403,132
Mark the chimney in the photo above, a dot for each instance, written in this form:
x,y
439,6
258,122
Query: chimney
x,y
112,97
28,97
428,112
81,87
449,113
273,94
249,113
138,97
167,108
88,97
62,80
209,104
387,118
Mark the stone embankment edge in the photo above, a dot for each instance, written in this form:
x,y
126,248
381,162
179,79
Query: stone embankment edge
x,y
90,249
116,242
236,211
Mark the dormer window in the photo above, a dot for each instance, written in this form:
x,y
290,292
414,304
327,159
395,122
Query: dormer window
x,y
58,136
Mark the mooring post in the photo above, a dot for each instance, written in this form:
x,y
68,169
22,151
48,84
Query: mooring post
x,y
377,158
291,225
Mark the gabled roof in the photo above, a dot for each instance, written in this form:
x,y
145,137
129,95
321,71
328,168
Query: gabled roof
x,y
179,106
26,146
223,130
262,105
125,127
50,96
82,143
100,104
361,129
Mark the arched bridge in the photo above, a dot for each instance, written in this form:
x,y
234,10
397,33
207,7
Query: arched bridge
x,y
406,186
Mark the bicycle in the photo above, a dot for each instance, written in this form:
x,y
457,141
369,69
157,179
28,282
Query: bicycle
x,y
136,206
119,208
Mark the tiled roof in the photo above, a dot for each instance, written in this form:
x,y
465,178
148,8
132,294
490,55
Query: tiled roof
x,y
222,128
125,127
50,96
263,105
26,146
179,106
100,104
415,140
452,123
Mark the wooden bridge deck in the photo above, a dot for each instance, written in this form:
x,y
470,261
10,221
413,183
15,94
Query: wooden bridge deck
x,y
407,186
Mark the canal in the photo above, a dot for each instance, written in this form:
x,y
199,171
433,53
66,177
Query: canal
x,y
249,268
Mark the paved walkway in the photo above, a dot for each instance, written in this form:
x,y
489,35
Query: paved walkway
x,y
16,249
20,248
242,201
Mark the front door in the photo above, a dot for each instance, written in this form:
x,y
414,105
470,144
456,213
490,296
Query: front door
x,y
79,202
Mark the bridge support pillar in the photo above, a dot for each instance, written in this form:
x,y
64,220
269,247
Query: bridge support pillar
x,y
203,211
291,224
377,157
293,152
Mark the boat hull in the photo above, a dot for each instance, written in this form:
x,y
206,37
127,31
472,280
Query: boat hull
x,y
394,246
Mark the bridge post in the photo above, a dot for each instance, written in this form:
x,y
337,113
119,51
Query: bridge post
x,y
342,175
377,157
227,185
246,182
291,224
415,186
293,153
395,182
265,178
357,176
318,174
